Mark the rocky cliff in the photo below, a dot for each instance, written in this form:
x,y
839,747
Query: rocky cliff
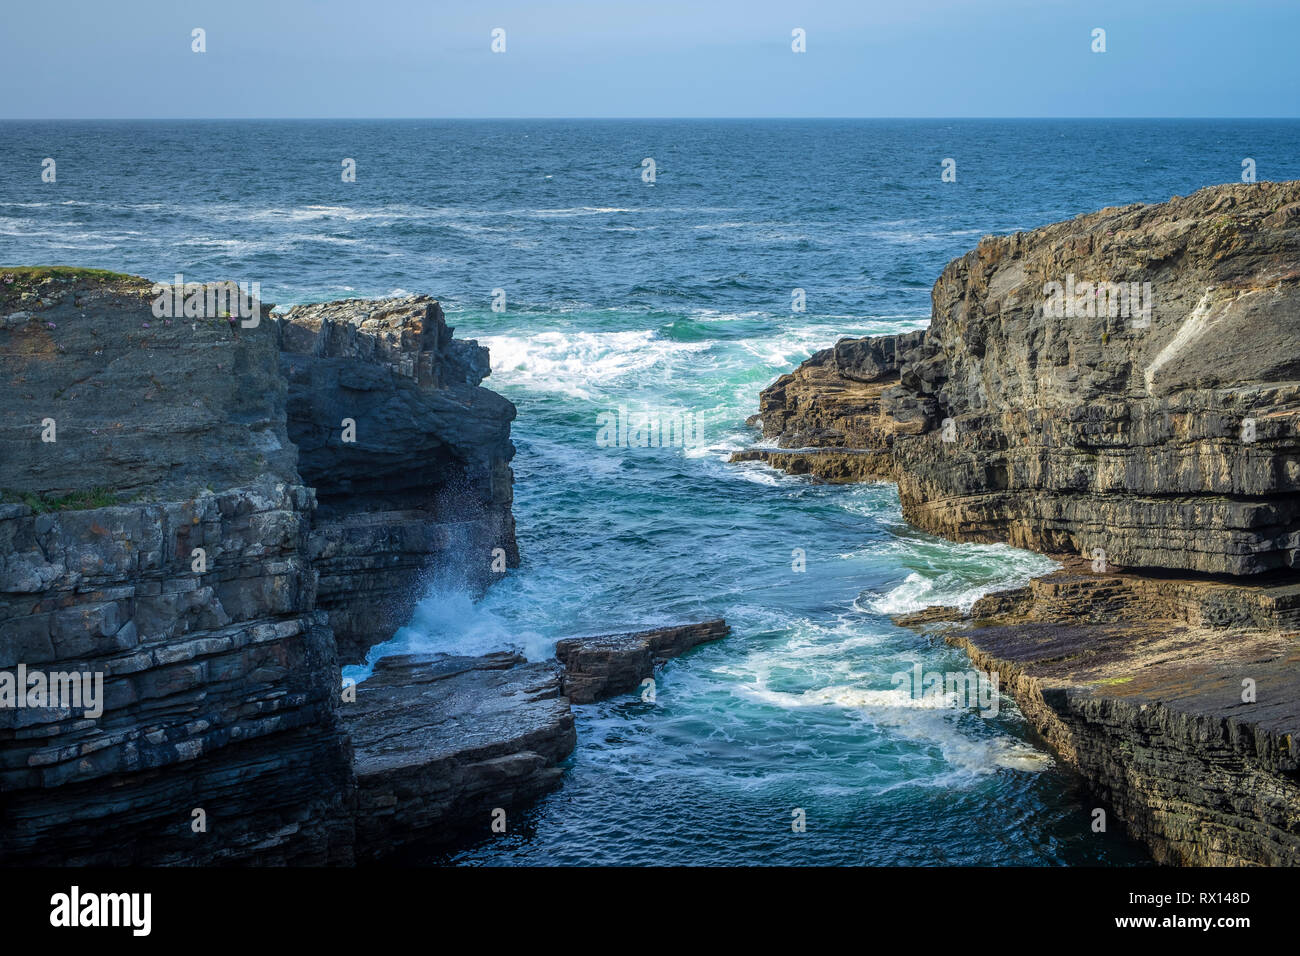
x,y
1159,427
422,484
209,514
185,516
1123,386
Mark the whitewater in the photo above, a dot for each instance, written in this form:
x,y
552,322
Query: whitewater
x,y
797,708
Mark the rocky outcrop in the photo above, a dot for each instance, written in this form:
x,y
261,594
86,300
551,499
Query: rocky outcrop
x,y
1166,438
444,745
444,742
607,664
1178,699
421,483
1124,386
161,530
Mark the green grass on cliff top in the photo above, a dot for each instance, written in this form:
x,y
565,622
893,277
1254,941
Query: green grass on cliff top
x,y
40,280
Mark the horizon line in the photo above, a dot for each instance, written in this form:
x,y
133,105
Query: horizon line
x,y
618,119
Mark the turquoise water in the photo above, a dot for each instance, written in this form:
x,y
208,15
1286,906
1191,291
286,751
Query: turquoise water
x,y
671,299
797,709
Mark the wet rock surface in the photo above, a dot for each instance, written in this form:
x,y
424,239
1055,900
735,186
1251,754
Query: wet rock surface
x,y
608,664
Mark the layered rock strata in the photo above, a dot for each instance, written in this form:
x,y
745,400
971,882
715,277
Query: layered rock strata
x,y
156,535
161,532
421,484
1123,386
445,745
1165,437
1178,699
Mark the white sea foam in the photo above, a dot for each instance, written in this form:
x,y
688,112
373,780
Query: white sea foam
x,y
451,623
578,363
969,572
838,659
761,473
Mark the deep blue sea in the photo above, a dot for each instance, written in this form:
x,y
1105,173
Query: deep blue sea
x,y
669,298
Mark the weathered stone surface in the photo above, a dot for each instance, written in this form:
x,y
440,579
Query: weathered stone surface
x,y
425,488
1089,431
1138,683
219,682
220,669
874,358
143,407
442,741
607,664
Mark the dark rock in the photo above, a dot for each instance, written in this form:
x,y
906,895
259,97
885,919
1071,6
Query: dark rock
x,y
608,664
221,679
425,489
1137,682
442,742
871,359
143,408
1169,445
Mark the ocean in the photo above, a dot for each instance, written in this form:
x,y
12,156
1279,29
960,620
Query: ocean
x,y
621,294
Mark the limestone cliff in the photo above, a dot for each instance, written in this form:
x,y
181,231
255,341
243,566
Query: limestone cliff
x,y
1166,439
424,486
183,516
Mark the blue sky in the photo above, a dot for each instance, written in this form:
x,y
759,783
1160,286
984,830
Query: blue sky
x,y
659,58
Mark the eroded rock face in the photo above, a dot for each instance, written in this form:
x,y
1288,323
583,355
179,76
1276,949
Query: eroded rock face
x,y
424,487
219,677
1160,437
443,742
142,407
166,540
1167,439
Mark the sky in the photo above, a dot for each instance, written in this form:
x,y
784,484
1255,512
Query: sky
x,y
101,59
